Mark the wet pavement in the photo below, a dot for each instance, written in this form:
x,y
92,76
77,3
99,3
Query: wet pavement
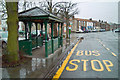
x,y
0,61
38,66
0,51
96,57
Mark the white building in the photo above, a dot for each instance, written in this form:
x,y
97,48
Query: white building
x,y
90,26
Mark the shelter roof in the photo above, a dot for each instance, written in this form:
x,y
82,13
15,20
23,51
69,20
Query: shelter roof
x,y
37,14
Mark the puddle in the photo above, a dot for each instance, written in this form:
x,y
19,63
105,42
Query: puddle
x,y
35,67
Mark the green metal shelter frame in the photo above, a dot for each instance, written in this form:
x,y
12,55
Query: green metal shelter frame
x,y
37,15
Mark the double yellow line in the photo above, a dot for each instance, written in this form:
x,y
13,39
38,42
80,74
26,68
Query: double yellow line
x,y
60,70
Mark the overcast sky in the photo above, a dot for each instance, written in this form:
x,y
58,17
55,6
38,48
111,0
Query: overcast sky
x,y
106,10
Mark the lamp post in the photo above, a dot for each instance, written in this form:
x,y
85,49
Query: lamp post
x,y
69,32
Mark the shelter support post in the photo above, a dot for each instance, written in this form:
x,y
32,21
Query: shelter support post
x,y
25,30
52,24
58,36
36,34
30,23
42,32
61,34
46,49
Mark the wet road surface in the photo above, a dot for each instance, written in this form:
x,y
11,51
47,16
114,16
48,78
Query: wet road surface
x,y
95,57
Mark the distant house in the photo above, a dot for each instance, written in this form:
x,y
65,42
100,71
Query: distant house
x,y
83,24
88,25
107,28
114,26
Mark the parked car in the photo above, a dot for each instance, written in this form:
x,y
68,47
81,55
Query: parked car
x,y
96,30
21,33
86,31
117,30
79,31
33,34
4,38
89,30
102,30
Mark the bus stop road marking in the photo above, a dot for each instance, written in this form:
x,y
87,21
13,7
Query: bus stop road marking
x,y
60,70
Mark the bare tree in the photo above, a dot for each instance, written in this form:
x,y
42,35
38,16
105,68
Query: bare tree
x,y
24,5
48,5
3,10
67,11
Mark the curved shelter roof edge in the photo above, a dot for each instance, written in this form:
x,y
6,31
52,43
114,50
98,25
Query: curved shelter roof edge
x,y
37,14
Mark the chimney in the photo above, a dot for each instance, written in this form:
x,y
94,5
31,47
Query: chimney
x,y
90,19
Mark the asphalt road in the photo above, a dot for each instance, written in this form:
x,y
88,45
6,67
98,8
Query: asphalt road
x,y
95,57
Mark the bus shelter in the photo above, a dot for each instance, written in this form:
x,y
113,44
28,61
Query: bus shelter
x,y
42,17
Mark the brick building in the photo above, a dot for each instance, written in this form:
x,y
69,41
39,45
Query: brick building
x,y
83,24
88,25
